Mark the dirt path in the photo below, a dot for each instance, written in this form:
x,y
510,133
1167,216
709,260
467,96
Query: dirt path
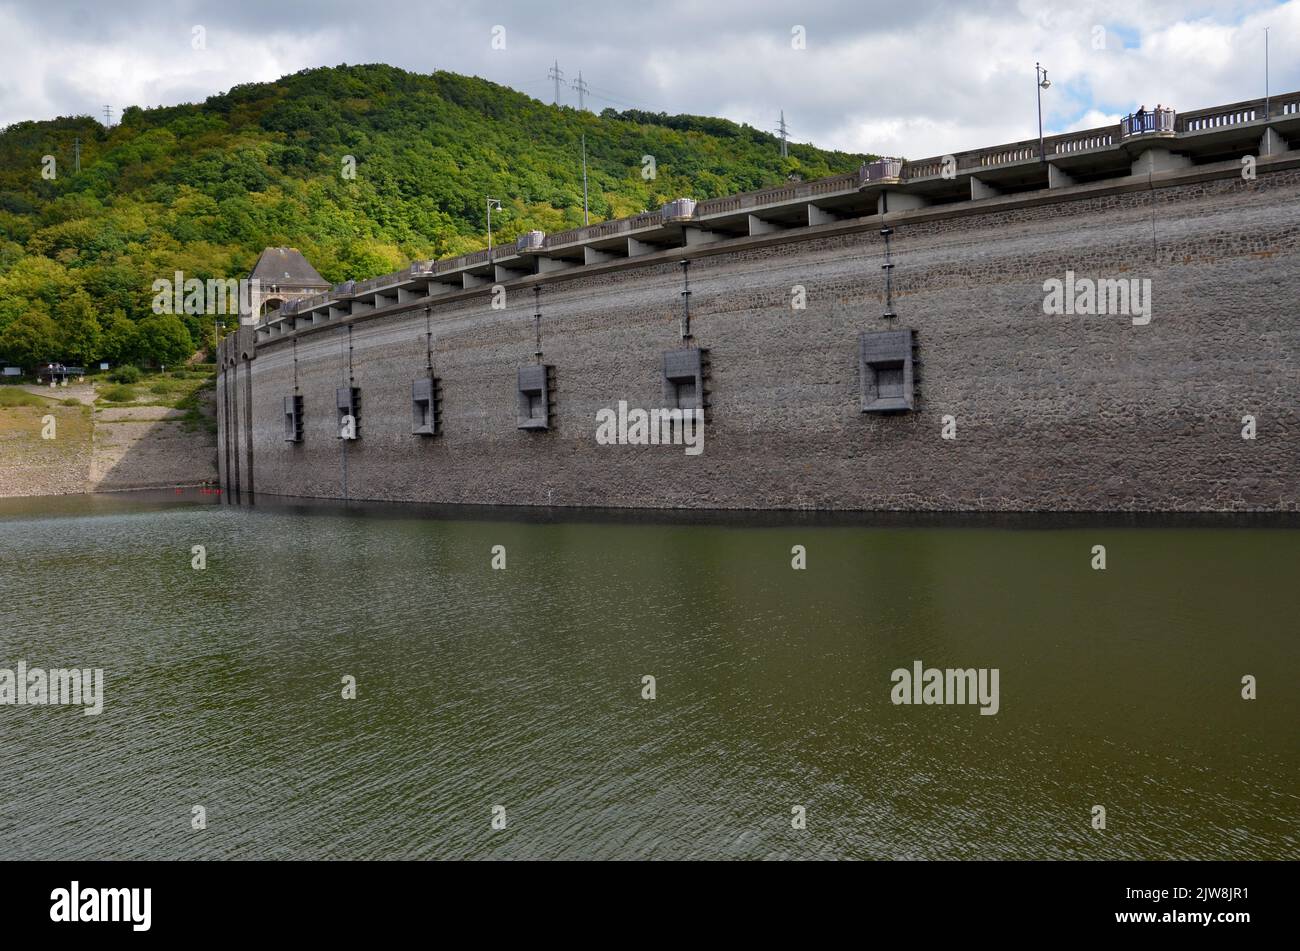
x,y
83,393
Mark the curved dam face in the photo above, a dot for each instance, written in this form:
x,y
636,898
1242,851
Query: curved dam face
x,y
1113,346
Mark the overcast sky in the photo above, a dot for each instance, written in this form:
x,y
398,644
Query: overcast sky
x,y
907,78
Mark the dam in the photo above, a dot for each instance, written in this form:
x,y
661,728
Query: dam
x,y
896,338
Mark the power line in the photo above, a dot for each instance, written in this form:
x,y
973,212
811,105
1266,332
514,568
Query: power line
x,y
556,74
783,131
582,89
615,102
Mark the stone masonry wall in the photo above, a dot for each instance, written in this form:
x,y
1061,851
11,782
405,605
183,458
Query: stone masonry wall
x,y
1051,412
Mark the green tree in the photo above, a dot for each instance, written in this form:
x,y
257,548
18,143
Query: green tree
x,y
79,327
120,343
203,188
31,339
362,259
164,339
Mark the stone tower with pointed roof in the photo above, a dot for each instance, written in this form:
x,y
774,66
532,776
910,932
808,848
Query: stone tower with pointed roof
x,y
282,274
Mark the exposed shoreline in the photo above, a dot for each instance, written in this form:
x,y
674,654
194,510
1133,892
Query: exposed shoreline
x,y
62,442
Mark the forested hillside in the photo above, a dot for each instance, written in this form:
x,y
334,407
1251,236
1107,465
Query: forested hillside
x,y
204,188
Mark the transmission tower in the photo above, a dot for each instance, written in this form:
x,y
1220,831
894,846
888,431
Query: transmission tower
x,y
784,133
108,116
582,89
556,74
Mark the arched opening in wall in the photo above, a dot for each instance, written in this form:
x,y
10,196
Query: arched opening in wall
x,y
269,305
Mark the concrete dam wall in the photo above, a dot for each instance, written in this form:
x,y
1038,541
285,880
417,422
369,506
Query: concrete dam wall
x,y
990,403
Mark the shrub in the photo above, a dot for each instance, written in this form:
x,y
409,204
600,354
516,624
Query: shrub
x,y
119,394
126,374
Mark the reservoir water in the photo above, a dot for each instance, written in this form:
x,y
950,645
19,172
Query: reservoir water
x,y
524,688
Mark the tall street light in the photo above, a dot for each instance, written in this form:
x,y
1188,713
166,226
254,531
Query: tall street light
x,y
491,203
1042,82
586,219
1266,102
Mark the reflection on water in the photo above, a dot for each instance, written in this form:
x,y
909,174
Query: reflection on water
x,y
523,687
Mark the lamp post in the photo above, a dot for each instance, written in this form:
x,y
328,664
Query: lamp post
x,y
586,219
491,203
1041,82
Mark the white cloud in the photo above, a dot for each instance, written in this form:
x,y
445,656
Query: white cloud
x,y
914,79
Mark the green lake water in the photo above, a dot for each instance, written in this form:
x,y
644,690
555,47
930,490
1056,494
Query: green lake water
x,y
523,687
